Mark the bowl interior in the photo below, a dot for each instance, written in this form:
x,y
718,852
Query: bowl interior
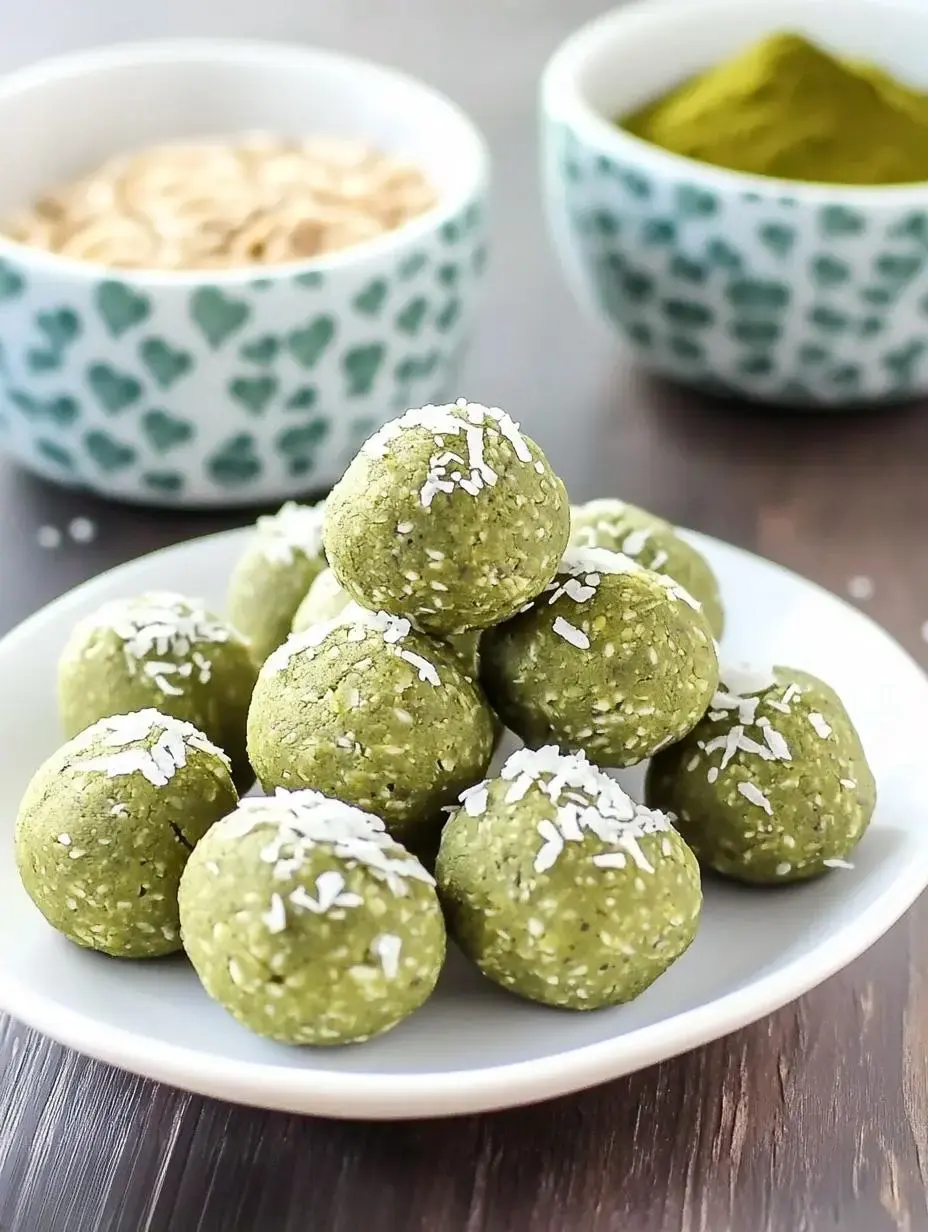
x,y
62,117
634,54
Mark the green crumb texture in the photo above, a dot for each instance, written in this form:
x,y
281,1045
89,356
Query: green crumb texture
x,y
273,576
652,543
325,599
613,659
165,652
448,516
367,709
772,785
561,889
308,923
106,827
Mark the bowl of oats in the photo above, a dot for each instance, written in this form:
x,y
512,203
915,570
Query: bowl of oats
x,y
224,264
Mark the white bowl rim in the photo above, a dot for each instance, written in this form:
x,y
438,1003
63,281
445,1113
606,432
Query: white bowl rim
x,y
562,98
158,51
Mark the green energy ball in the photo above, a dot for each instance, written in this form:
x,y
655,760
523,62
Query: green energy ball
x,y
271,579
369,710
448,516
561,888
611,659
327,599
324,600
164,651
652,543
308,923
773,784
107,824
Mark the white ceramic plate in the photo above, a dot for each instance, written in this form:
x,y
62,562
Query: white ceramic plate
x,y
474,1047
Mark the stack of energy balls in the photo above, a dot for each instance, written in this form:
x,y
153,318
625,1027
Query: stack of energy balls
x,y
376,646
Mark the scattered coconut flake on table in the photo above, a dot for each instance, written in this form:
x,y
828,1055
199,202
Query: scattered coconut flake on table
x,y
860,587
82,530
48,537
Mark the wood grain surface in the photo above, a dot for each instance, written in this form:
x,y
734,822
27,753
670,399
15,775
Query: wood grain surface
x,y
813,1120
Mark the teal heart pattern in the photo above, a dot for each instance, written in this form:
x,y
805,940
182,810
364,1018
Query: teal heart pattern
x,y
262,350
370,301
121,308
754,294
236,393
302,399
411,317
217,315
61,326
12,282
236,462
166,363
309,344
108,453
254,393
114,390
164,431
361,365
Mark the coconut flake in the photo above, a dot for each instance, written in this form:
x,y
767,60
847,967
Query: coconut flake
x,y
302,821
860,587
754,795
146,742
293,529
570,633
834,862
276,916
447,469
388,947
427,671
587,802
820,724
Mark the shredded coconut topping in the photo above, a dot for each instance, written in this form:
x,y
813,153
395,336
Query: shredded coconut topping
x,y
388,947
146,742
570,633
753,794
393,630
449,468
157,628
587,802
302,821
820,724
294,528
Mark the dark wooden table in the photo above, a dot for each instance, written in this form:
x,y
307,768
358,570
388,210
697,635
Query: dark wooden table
x,y
814,1119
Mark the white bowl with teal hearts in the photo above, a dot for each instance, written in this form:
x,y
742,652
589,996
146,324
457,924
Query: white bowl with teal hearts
x,y
780,292
229,387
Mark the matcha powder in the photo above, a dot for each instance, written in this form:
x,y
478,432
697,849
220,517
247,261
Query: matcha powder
x,y
786,108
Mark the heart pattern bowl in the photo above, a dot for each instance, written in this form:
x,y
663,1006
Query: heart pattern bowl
x,y
235,387
802,294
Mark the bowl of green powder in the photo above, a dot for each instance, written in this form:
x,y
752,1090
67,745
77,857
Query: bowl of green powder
x,y
741,192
